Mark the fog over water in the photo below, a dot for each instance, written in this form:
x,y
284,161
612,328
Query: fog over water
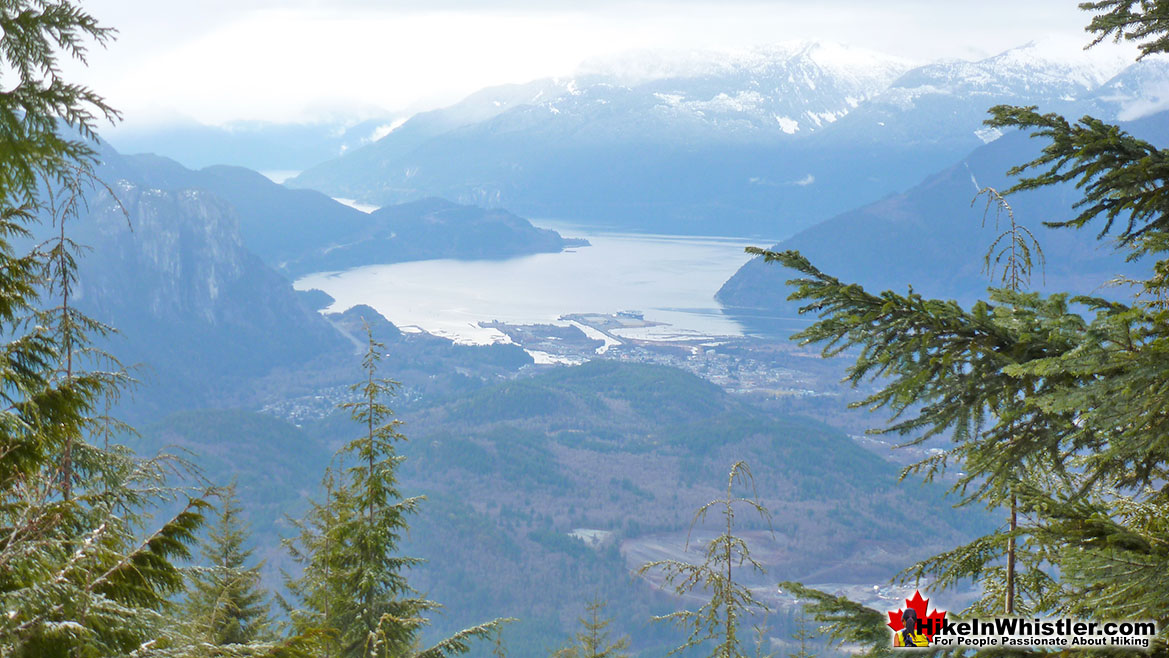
x,y
670,278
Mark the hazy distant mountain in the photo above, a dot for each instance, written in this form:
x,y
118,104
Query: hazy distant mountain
x,y
259,145
303,231
759,144
933,238
601,147
433,228
276,223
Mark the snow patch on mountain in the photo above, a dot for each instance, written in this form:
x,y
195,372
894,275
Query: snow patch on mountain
x,y
385,129
742,101
988,135
788,125
1140,90
672,100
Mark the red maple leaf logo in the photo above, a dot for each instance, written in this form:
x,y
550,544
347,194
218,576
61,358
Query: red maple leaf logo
x,y
919,606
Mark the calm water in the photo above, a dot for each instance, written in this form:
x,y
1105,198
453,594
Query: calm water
x,y
669,278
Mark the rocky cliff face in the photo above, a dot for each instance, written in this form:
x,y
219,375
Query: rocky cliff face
x,y
169,270
174,253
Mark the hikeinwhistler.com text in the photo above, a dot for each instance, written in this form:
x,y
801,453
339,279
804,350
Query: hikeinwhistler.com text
x,y
1017,632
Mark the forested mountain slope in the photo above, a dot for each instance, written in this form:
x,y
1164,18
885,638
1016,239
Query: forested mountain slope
x,y
512,469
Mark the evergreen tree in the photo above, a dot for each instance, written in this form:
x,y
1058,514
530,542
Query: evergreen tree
x,y
592,641
499,649
315,548
730,602
847,622
1012,255
1058,408
75,332
38,101
225,603
376,616
802,635
83,569
763,641
354,586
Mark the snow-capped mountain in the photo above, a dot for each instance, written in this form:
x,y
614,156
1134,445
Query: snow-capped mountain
x,y
947,101
1036,69
761,142
780,89
784,88
548,138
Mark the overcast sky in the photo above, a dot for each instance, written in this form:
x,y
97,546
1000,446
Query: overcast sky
x,y
221,60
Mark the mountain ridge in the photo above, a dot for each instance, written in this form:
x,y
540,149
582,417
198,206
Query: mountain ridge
x,y
300,231
934,237
763,149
